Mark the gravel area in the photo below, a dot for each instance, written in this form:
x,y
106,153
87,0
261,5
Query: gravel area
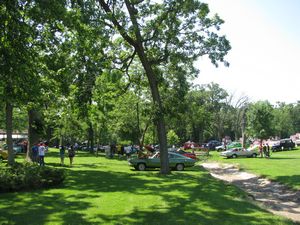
x,y
270,195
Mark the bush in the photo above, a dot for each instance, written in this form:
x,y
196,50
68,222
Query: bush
x,y
23,176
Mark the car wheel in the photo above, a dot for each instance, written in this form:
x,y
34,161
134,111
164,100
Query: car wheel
x,y
234,156
179,167
254,155
141,166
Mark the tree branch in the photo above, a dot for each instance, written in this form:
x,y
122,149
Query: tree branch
x,y
120,28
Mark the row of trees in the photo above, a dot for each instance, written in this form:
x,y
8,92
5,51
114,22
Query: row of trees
x,y
204,112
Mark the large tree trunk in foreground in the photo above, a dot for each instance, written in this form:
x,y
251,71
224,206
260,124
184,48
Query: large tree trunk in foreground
x,y
9,130
158,119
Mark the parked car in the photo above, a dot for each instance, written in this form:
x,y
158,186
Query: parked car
x,y
229,146
177,161
240,152
283,144
184,153
17,148
297,142
211,145
3,155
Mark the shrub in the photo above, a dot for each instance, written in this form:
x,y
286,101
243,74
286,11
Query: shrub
x,y
23,176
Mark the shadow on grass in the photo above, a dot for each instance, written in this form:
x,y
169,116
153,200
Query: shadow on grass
x,y
290,181
37,207
180,209
55,153
206,201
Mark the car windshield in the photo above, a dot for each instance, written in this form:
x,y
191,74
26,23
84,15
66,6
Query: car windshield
x,y
156,155
174,155
255,147
170,155
181,151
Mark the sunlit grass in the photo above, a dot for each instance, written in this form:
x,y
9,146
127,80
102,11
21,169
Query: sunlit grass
x,y
107,191
282,166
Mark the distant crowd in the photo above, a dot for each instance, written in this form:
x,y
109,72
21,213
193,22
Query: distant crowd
x,y
40,149
264,150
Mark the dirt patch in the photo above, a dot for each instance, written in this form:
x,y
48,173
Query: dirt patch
x,y
272,196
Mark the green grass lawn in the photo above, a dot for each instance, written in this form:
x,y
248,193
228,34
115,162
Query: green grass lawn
x,y
108,191
283,167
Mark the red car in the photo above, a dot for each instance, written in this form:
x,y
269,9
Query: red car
x,y
191,145
186,154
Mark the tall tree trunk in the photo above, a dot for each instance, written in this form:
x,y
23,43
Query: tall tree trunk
x,y
243,128
91,137
9,130
159,117
142,139
137,43
33,134
138,124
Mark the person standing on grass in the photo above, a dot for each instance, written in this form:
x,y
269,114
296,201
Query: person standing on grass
x,y
42,150
62,150
193,148
35,152
119,149
122,150
260,150
76,147
265,150
71,154
268,150
127,151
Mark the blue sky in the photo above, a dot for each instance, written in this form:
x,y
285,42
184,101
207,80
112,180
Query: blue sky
x,y
265,55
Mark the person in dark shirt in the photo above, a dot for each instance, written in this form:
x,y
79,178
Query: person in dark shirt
x,y
62,150
35,153
267,151
71,153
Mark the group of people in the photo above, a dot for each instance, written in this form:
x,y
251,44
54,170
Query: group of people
x,y
62,152
116,149
38,153
264,150
120,150
39,150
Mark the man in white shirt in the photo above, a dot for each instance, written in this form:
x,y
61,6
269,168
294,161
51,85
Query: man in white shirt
x,y
42,150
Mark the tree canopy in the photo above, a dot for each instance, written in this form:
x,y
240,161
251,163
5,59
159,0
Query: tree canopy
x,y
121,71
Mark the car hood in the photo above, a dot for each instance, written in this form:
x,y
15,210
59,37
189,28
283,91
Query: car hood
x,y
225,152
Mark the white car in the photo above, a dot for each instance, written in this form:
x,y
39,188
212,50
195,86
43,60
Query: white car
x,y
240,152
297,142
